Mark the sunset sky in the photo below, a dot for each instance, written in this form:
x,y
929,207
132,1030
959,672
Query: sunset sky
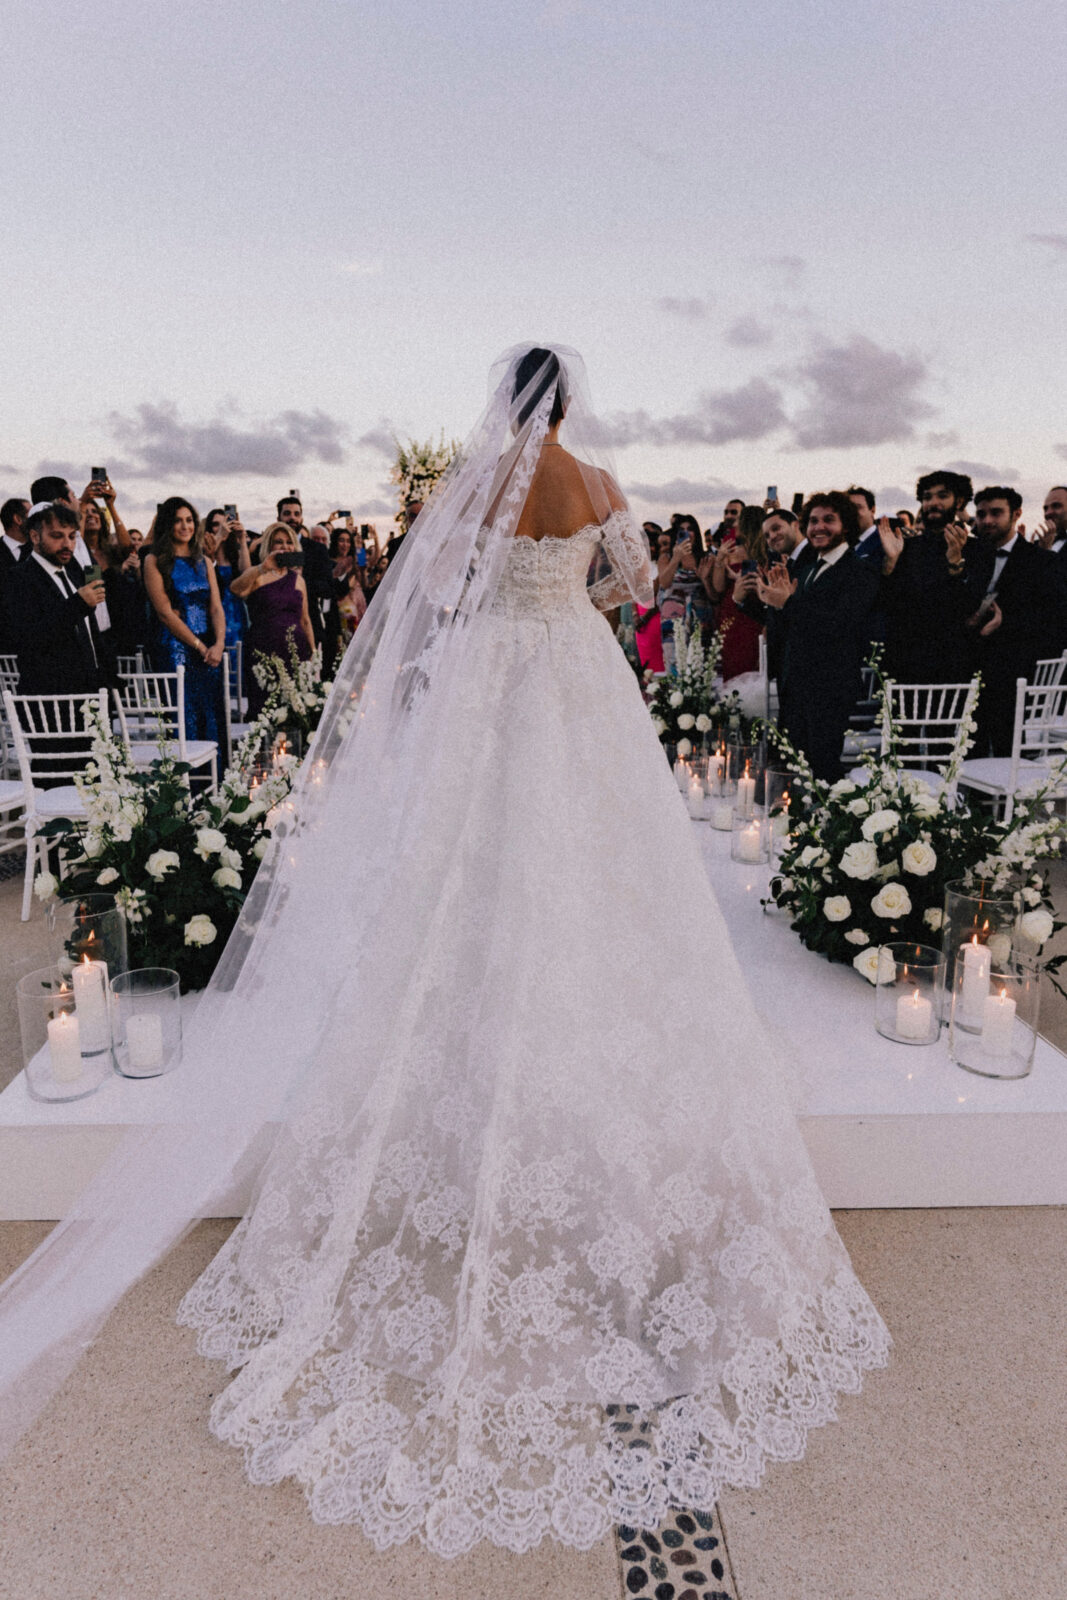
x,y
800,242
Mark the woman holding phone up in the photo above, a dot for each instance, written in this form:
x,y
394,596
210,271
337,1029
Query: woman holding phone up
x,y
276,596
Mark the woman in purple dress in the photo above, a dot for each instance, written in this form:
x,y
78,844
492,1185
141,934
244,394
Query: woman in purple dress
x,y
277,602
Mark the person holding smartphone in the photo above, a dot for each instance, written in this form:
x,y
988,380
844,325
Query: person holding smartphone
x,y
276,596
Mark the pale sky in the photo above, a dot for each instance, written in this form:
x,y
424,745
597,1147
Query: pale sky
x,y
800,242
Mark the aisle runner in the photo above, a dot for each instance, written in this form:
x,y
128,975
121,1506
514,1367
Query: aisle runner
x,y
683,1559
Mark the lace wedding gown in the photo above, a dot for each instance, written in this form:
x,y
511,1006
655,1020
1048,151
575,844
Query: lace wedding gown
x,y
544,1251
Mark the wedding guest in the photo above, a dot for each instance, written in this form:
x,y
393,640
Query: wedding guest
x,y
648,625
59,492
278,613
737,559
317,568
823,621
351,601
14,542
189,622
226,546
412,508
52,610
1019,593
1052,534
682,589
906,518
924,593
869,544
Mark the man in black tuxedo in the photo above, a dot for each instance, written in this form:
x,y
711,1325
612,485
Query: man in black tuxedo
x,y
925,592
51,610
317,569
823,622
14,547
787,543
1018,594
1052,535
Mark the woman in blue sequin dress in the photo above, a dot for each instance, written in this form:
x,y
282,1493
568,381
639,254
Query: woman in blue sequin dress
x,y
189,623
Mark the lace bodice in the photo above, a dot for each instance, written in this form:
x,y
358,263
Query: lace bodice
x,y
550,578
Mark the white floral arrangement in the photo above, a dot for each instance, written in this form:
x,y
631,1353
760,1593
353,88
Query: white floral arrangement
x,y
687,704
866,863
418,467
180,865
296,692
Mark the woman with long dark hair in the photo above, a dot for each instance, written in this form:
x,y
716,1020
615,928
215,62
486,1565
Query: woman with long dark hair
x,y
190,625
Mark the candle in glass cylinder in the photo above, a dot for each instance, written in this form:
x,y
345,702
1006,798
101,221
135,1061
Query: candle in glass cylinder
x,y
681,775
746,794
144,1043
722,815
90,1001
977,962
717,768
64,1047
748,847
780,821
695,798
998,1024
913,1016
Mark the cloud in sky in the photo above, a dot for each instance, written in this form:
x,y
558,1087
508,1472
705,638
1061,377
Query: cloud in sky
x,y
942,441
982,472
375,508
162,444
749,412
858,393
685,491
1055,241
788,269
748,333
894,495
380,439
692,310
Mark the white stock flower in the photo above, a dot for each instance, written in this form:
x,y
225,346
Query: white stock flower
x,y
1032,897
881,822
92,844
160,862
926,804
226,878
676,699
842,787
918,859
859,807
209,841
686,721
892,900
703,723
684,748
200,930
1036,925
933,917
876,965
858,936
109,875
45,885
859,860
837,908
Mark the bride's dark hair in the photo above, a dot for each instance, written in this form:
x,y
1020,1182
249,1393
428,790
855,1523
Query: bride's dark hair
x,y
545,362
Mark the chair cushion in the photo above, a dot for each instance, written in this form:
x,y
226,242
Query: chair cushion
x,y
62,801
993,772
12,793
199,750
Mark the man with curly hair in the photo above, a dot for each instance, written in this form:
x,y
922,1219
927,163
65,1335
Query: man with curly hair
x,y
925,590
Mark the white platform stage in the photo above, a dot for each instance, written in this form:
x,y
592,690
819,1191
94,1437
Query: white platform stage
x,y
886,1124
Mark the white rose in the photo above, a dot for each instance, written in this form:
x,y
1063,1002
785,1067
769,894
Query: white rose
x,y
45,885
859,860
160,862
926,804
933,918
876,965
92,844
812,855
858,936
676,698
230,858
280,715
881,822
254,809
703,723
842,787
685,722
659,727
259,849
326,685
892,900
1032,897
837,908
1000,948
1036,925
858,808
918,859
209,841
684,748
108,875
200,930
226,878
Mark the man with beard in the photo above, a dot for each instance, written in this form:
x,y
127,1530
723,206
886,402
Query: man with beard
x,y
317,571
1053,534
1019,597
925,593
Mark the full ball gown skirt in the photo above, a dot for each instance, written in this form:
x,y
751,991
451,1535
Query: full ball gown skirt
x,y
543,1251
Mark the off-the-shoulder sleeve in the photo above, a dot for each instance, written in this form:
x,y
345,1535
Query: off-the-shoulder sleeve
x,y
624,551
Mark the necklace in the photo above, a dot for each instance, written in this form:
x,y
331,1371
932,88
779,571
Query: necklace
x,y
553,444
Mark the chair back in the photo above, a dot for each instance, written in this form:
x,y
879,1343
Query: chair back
x,y
1040,713
234,657
9,673
926,717
1049,672
128,666
52,743
151,709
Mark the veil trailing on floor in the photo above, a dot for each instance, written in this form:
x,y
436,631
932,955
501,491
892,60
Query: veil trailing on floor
x,y
294,956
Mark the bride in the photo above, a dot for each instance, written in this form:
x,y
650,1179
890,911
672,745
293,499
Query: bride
x,y
541,1251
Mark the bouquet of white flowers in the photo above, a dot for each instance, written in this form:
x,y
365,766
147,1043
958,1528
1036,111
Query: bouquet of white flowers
x,y
296,692
687,704
180,866
418,467
866,863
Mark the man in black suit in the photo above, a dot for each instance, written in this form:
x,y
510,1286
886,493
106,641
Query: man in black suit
x,y
787,543
1018,594
823,621
14,547
52,608
317,569
1052,535
925,592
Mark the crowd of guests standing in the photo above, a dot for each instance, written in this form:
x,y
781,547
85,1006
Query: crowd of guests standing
x,y
79,591
947,591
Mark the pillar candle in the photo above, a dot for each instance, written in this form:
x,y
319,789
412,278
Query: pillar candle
x,y
998,1024
144,1043
749,843
90,1002
913,1016
64,1047
977,962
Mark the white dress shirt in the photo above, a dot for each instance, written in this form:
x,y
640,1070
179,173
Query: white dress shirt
x,y
830,559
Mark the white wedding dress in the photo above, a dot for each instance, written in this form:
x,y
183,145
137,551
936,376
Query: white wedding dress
x,y
543,1250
